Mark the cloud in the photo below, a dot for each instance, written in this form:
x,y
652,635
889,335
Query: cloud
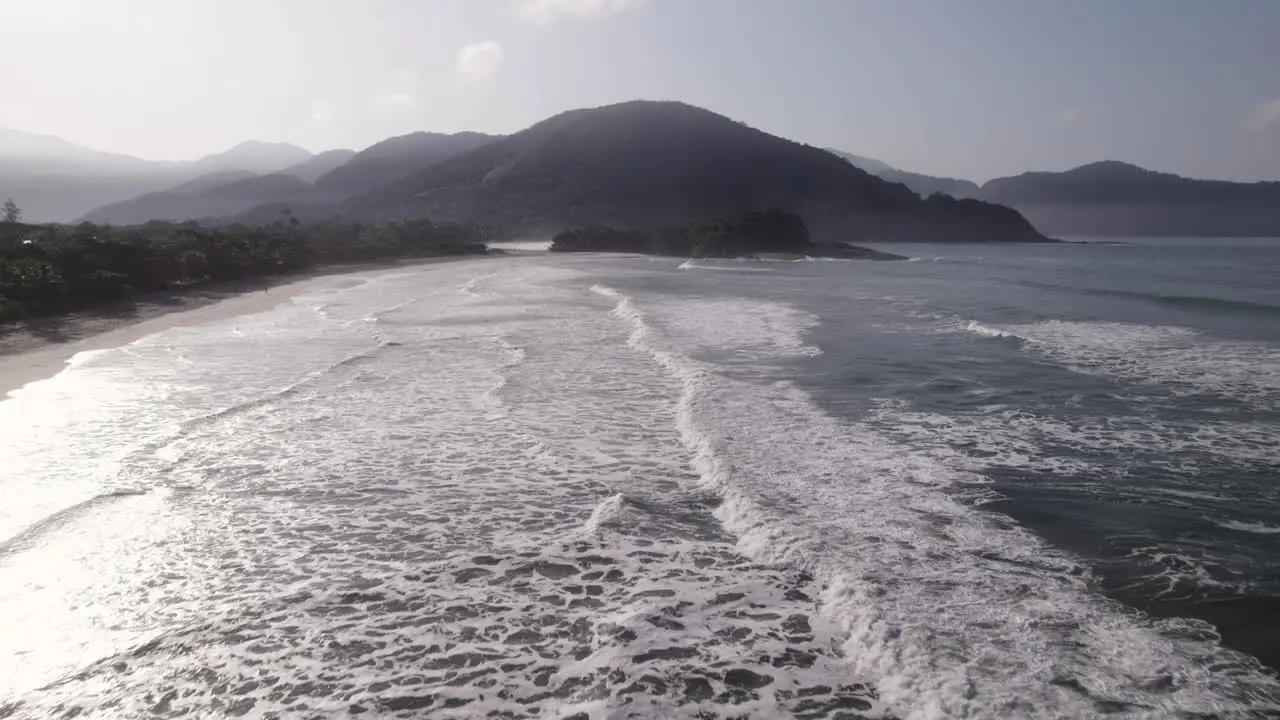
x,y
1265,116
321,111
480,60
1070,115
396,99
546,12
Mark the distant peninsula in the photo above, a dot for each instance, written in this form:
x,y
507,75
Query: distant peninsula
x,y
762,234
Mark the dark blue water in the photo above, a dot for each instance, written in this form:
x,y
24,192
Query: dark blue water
x,y
1122,400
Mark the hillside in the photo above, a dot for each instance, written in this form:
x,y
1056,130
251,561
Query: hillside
x,y
316,167
53,180
644,163
255,156
920,184
394,159
1117,199
316,183
218,195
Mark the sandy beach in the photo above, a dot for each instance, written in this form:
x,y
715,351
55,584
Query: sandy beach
x,y
41,348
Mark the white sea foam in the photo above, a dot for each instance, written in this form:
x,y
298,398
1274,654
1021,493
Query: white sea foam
x,y
947,611
490,513
459,500
758,330
1018,438
1255,528
1177,357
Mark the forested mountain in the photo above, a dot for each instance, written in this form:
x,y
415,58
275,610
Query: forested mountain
x,y
642,163
396,158
1117,199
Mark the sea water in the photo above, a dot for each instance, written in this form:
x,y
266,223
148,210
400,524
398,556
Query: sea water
x,y
1031,481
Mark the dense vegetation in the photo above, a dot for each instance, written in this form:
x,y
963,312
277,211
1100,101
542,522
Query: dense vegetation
x,y
52,269
765,231
753,234
640,163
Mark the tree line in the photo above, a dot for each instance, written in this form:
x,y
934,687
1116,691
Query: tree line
x,y
52,269
758,231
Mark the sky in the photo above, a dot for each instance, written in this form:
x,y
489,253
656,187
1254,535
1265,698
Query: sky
x,y
975,89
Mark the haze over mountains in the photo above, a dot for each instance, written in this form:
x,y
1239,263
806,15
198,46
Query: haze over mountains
x,y
635,163
1113,199
319,180
53,180
923,185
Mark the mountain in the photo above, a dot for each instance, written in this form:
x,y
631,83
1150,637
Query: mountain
x,y
396,158
314,168
255,156
205,197
19,148
922,185
204,183
337,175
871,165
1117,199
53,180
646,163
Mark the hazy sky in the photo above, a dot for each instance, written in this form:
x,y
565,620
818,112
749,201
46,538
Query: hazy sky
x,y
975,89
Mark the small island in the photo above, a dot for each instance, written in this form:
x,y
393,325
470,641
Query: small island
x,y
760,234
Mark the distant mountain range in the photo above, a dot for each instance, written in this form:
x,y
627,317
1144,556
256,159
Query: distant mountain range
x,y
1113,199
315,181
641,163
632,164
922,185
396,158
53,180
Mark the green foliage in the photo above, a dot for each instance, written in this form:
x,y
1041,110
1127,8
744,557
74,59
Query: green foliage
x,y
52,269
758,231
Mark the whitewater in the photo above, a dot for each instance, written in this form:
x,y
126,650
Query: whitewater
x,y
617,486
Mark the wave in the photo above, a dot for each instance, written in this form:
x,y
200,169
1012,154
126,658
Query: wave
x,y
65,516
691,265
947,611
141,463
1207,303
1182,359
1250,527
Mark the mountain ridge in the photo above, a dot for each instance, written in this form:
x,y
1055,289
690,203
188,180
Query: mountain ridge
x,y
1111,198
921,184
645,162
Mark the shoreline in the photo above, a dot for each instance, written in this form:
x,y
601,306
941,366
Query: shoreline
x,y
40,349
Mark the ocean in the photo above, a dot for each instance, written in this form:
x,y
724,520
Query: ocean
x,y
1032,481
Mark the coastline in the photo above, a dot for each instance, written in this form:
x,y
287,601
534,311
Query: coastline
x,y
40,349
